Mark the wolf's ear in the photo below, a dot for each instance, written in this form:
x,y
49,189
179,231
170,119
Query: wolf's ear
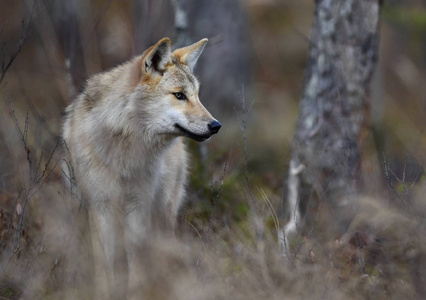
x,y
157,57
190,54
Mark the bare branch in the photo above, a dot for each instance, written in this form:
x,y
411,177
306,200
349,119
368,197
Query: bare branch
x,y
23,134
389,180
25,32
37,180
243,120
214,198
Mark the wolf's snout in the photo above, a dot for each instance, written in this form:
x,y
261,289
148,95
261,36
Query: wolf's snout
x,y
214,126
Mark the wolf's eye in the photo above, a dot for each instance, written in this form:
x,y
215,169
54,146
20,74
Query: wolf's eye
x,y
180,96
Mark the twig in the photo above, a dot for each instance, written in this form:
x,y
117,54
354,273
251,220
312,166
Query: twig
x,y
193,227
271,209
215,198
35,183
389,181
304,37
38,164
5,66
243,119
46,165
23,134
44,180
21,221
40,120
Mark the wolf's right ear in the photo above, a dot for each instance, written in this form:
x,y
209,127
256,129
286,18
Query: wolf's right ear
x,y
157,57
189,55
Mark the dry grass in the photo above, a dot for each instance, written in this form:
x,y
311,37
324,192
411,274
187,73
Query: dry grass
x,y
225,247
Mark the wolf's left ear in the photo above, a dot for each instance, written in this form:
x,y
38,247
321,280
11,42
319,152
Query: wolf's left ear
x,y
190,54
157,57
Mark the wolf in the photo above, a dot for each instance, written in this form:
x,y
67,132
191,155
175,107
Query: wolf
x,y
124,134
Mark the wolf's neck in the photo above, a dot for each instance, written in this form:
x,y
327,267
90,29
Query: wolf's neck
x,y
127,143
130,153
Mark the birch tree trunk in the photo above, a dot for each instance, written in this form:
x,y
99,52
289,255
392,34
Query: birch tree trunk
x,y
334,109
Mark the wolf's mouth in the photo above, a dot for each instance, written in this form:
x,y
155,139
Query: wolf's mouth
x,y
194,136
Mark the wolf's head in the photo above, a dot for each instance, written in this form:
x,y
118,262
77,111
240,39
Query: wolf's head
x,y
170,102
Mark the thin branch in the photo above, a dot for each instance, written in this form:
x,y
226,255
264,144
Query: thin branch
x,y
193,227
243,119
270,208
5,66
12,107
389,181
214,198
38,164
35,183
23,134
41,183
21,221
304,37
47,164
40,120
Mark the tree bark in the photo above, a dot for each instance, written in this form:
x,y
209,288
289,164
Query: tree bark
x,y
226,64
334,109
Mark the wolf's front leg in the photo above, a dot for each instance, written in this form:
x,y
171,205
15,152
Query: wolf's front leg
x,y
111,267
137,229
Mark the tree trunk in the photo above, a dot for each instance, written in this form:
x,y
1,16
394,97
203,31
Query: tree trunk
x,y
226,64
334,108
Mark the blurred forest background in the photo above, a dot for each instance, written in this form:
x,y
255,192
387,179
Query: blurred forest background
x,y
252,76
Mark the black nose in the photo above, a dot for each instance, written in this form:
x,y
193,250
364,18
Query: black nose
x,y
214,126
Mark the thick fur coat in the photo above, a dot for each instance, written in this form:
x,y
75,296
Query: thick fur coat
x,y
124,136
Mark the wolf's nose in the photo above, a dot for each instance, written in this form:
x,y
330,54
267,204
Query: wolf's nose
x,y
214,126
